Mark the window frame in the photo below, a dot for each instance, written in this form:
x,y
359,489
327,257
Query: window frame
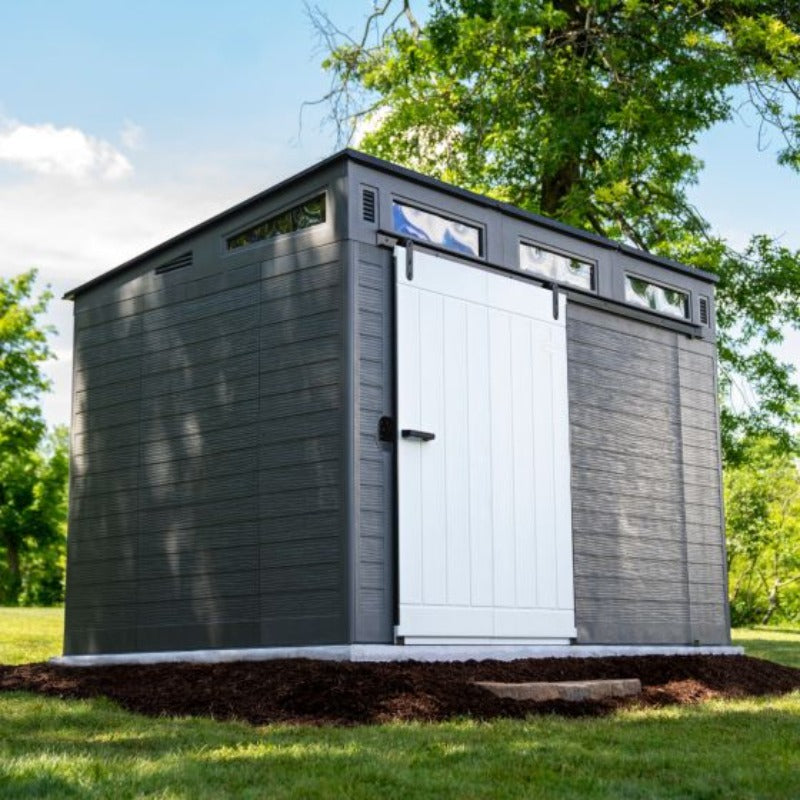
x,y
558,251
283,209
447,216
687,293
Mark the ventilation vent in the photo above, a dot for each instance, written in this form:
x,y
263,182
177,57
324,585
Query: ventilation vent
x,y
179,262
368,205
704,311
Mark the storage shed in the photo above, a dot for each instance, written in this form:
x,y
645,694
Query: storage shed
x,y
365,406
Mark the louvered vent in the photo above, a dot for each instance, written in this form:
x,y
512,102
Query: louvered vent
x,y
368,205
179,262
704,311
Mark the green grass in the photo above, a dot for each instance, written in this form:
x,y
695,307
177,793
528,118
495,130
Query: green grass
x,y
55,748
774,644
93,749
30,634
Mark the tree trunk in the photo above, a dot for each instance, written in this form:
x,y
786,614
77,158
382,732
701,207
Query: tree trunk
x,y
773,604
556,187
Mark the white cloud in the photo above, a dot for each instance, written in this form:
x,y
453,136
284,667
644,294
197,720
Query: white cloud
x,y
132,135
69,152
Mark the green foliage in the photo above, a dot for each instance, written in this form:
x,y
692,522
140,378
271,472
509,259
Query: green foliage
x,y
23,348
33,465
762,502
588,111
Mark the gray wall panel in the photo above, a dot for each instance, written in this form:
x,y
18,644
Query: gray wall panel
x,y
112,372
153,521
162,544
119,566
207,459
302,553
374,468
99,547
124,413
645,483
206,635
80,638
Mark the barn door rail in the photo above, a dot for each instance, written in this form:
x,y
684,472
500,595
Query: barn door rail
x,y
622,309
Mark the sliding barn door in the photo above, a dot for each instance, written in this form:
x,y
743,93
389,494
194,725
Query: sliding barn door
x,y
485,538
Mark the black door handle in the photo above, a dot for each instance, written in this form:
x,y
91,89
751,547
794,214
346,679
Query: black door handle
x,y
424,436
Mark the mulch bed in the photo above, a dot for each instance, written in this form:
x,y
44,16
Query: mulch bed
x,y
325,692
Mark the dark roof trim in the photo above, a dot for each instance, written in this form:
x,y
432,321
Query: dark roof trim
x,y
528,216
200,227
394,169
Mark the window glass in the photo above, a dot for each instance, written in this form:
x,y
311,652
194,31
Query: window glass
x,y
656,298
301,216
430,227
562,269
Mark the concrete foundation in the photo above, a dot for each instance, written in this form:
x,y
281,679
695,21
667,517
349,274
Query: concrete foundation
x,y
387,652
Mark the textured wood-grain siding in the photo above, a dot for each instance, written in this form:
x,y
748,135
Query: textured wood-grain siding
x,y
373,581
647,523
207,493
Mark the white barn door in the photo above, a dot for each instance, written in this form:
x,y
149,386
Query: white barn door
x,y
485,536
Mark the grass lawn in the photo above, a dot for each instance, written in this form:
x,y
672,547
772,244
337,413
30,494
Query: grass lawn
x,y
88,749
774,644
30,634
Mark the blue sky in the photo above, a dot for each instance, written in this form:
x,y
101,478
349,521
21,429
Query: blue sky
x,y
122,124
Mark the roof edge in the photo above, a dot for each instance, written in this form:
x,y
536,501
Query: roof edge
x,y
340,155
528,216
395,169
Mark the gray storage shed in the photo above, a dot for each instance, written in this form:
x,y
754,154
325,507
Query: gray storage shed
x,y
368,407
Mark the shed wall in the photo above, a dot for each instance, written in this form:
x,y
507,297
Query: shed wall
x,y
207,498
647,519
228,485
374,577
647,526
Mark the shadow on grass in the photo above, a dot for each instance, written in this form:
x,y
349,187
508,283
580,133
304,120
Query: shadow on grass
x,y
94,749
786,653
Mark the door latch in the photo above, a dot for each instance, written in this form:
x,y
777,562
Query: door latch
x,y
386,429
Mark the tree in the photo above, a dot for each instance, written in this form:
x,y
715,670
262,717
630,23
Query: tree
x,y
33,526
33,467
587,111
762,500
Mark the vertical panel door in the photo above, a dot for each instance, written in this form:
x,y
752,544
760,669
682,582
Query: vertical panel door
x,y
485,538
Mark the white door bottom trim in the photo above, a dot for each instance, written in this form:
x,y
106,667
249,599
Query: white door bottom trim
x,y
476,641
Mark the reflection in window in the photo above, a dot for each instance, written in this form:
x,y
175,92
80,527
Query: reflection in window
x,y
562,269
301,216
656,298
433,228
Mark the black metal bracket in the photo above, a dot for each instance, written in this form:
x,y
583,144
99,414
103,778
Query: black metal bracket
x,y
386,429
385,240
555,300
409,261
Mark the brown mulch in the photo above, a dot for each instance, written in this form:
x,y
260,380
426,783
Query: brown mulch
x,y
325,692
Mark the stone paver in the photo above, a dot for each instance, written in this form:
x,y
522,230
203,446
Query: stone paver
x,y
565,690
